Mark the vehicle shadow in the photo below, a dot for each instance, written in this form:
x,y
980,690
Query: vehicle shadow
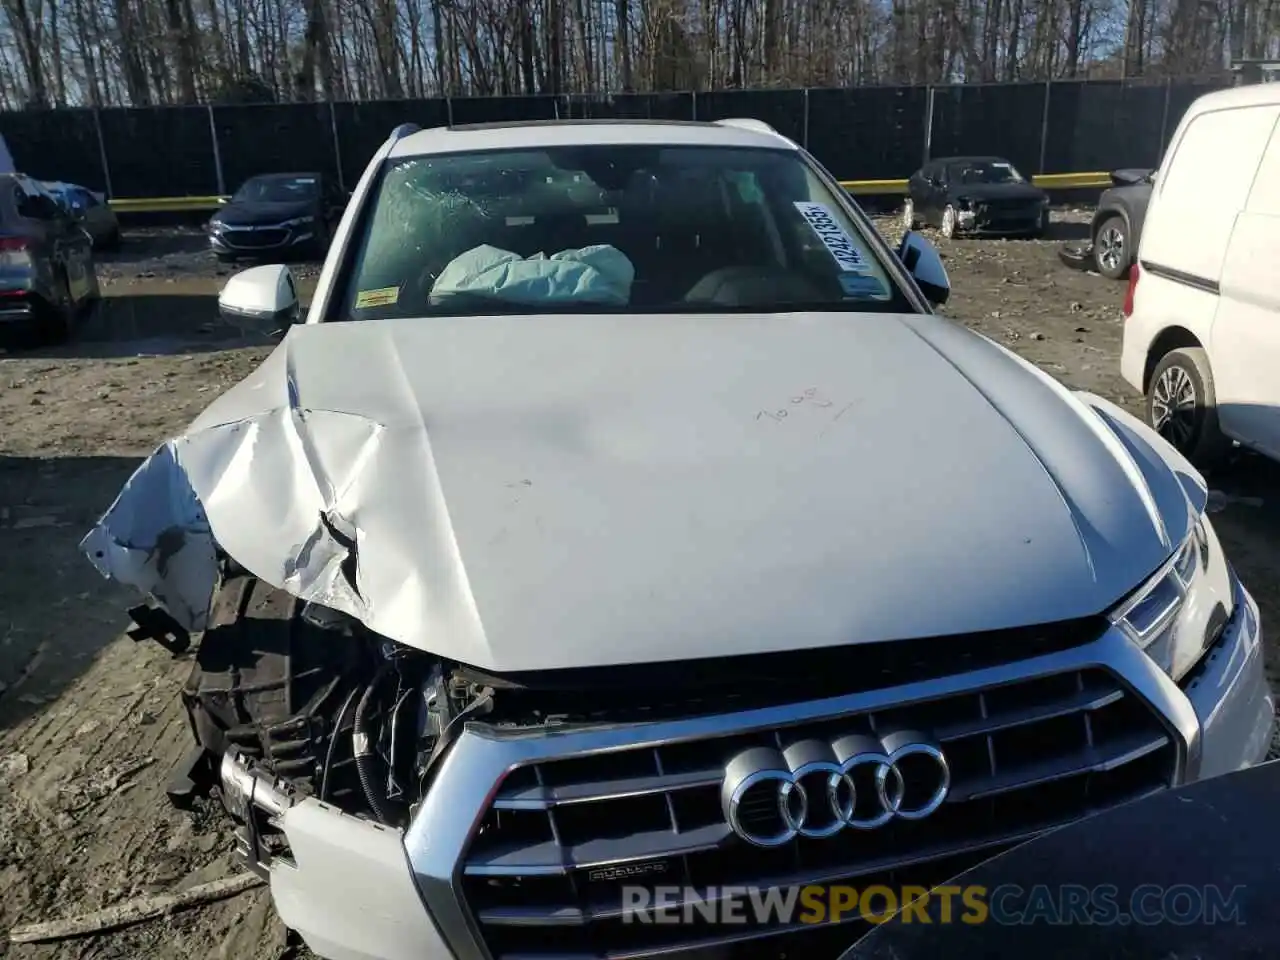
x,y
142,244
1244,505
1060,230
152,324
59,613
178,248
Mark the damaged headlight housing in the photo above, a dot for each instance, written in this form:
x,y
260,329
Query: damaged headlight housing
x,y
1177,614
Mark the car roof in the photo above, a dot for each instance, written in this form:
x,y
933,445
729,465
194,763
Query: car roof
x,y
528,134
983,159
302,174
1249,95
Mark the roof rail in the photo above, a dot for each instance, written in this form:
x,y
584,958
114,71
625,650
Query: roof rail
x,y
747,123
402,131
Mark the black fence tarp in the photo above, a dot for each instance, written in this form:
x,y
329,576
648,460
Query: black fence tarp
x,y
364,127
868,133
1104,125
784,110
500,109
55,145
981,120
628,106
1181,96
275,138
862,133
159,151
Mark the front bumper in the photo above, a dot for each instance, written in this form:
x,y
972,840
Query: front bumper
x,y
17,307
357,891
259,241
995,223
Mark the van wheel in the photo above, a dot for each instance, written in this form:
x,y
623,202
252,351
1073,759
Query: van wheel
x,y
1182,407
1111,254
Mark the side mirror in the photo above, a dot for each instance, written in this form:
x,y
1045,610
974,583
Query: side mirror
x,y
924,263
260,299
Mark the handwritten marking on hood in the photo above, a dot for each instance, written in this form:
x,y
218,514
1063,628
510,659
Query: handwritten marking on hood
x,y
811,396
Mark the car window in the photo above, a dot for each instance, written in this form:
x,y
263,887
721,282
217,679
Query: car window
x,y
277,189
985,171
37,206
626,227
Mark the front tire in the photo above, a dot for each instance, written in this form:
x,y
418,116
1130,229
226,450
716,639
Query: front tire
x,y
1041,229
949,222
1111,252
909,219
1182,407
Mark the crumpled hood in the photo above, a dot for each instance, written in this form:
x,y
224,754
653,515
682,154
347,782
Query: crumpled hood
x,y
522,493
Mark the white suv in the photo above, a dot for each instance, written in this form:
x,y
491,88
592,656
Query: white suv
x,y
1202,330
623,517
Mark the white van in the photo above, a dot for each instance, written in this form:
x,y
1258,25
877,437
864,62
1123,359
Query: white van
x,y
1202,329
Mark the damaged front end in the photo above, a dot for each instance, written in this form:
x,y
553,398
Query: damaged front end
x,y
248,477
316,729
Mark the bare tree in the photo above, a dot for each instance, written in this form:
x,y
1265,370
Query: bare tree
x,y
142,52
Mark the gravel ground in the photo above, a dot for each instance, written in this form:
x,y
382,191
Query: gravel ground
x,y
89,721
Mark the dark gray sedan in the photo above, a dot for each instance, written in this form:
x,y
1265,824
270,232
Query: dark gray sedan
x,y
47,275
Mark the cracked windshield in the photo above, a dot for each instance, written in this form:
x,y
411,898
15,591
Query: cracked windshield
x,y
647,229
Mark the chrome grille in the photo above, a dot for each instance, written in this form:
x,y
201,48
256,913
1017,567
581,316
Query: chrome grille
x,y
543,873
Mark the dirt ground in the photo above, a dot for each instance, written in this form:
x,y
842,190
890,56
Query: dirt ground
x,y
89,721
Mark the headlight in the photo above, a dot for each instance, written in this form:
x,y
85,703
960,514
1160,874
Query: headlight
x,y
299,221
1180,611
215,226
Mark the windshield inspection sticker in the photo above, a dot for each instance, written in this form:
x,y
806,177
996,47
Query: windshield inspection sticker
x,y
382,297
838,243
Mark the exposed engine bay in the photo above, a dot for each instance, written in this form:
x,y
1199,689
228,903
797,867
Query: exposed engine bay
x,y
348,718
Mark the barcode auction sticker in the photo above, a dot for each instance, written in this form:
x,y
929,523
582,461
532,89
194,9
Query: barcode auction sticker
x,y
838,243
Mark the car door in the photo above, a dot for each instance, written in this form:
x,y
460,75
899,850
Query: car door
x,y
98,218
923,193
37,222
65,248
1245,340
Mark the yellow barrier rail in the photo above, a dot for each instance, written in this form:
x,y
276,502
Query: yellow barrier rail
x,y
163,204
1049,181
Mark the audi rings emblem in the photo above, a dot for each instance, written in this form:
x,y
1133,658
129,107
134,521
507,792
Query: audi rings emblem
x,y
815,788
